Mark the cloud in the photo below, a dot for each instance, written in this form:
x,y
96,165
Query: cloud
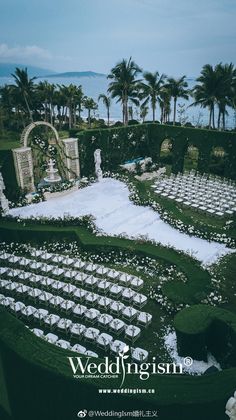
x,y
25,53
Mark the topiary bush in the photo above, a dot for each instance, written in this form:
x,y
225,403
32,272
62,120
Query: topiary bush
x,y
201,329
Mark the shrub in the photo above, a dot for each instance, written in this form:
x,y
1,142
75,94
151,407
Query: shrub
x,y
203,328
133,122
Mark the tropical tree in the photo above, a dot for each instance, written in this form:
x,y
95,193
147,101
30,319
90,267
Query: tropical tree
x,y
25,87
143,112
226,76
107,103
79,97
177,89
164,102
205,91
124,85
46,93
151,90
90,105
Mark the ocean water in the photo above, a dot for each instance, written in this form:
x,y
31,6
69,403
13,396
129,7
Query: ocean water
x,y
94,86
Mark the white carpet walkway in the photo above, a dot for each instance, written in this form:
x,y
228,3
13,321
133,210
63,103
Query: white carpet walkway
x,y
108,201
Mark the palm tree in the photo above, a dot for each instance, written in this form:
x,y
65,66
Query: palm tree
x,y
25,87
226,76
143,112
205,92
79,97
177,89
124,84
47,95
164,101
151,90
90,105
107,103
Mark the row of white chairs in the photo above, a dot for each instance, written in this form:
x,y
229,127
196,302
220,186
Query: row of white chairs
x,y
74,264
137,354
90,315
72,272
81,295
212,196
65,325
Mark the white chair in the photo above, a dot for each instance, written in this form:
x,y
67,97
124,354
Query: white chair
x,y
117,346
104,303
139,300
79,264
91,315
69,289
56,301
144,319
116,307
79,294
128,294
58,286
16,307
91,353
78,348
45,297
104,320
67,306
136,283
104,286
117,326
91,334
104,341
132,333
102,270
51,338
91,282
129,313
64,324
80,278
63,344
28,312
51,320
91,298
77,330
79,310
38,332
40,314
113,274
139,355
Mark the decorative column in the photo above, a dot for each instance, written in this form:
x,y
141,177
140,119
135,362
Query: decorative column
x,y
3,200
24,168
71,158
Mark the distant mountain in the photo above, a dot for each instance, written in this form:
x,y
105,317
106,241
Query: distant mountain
x,y
6,69
78,74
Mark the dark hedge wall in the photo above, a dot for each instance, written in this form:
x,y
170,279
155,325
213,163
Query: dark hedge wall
x,y
203,328
124,143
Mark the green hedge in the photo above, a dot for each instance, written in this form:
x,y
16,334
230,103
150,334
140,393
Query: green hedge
x,y
125,143
9,176
119,144
39,384
203,328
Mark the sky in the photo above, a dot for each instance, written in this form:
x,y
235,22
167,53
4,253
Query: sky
x,y
175,37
